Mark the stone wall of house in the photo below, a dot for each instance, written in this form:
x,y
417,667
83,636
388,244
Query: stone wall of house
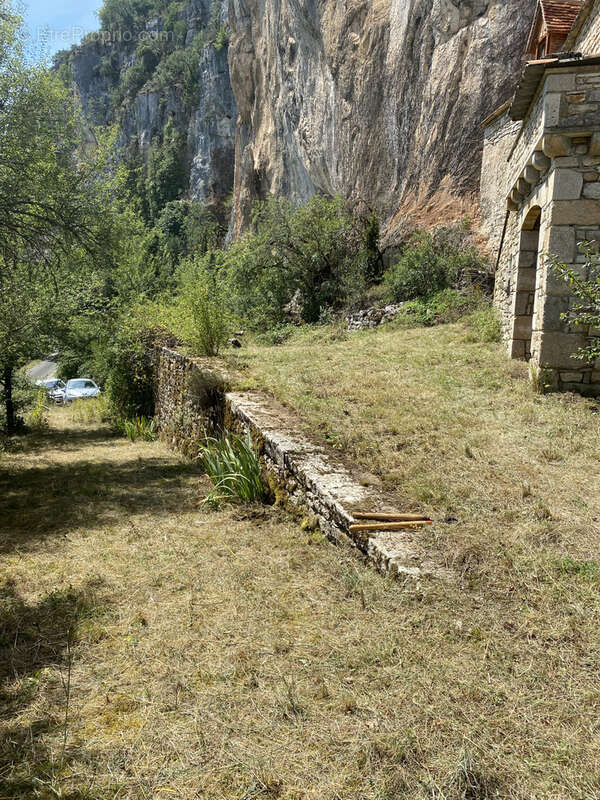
x,y
553,196
499,139
587,40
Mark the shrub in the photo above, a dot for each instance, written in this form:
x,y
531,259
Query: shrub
x,y
443,307
436,260
317,253
37,419
585,309
233,466
132,359
201,315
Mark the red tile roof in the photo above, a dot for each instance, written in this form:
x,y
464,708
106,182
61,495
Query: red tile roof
x,y
559,15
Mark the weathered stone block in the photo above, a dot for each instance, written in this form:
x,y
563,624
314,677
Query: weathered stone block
x,y
589,177
552,107
529,241
575,212
566,184
592,190
566,161
531,175
522,327
555,145
571,377
557,350
526,279
516,348
594,150
548,316
524,304
556,82
523,187
576,97
540,162
560,242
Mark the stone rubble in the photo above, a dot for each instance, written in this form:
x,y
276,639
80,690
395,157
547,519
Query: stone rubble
x,y
372,317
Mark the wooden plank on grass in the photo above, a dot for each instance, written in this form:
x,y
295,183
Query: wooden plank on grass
x,y
391,517
388,526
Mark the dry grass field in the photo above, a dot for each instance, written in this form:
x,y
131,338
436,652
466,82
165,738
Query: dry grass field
x,y
150,648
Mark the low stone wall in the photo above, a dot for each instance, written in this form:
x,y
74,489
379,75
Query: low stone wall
x,y
193,401
188,400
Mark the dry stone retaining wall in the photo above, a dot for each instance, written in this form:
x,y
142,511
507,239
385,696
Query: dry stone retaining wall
x,y
192,401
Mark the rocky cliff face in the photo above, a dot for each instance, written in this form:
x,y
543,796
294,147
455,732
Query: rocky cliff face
x,y
377,99
207,119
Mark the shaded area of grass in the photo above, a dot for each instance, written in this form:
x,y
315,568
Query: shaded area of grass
x,y
91,478
230,655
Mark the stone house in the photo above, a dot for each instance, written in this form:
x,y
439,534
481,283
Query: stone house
x,y
540,189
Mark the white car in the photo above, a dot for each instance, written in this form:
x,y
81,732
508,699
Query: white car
x,y
55,389
81,389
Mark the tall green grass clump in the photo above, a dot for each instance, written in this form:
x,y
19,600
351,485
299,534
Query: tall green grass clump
x,y
138,429
232,465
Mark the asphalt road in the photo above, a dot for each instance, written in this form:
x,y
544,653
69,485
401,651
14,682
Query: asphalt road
x,y
43,370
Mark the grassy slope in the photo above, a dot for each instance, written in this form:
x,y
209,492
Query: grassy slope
x,y
229,655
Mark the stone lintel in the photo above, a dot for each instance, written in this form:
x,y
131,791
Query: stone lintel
x,y
575,212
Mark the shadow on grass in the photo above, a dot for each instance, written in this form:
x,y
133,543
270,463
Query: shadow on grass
x,y
55,498
64,440
33,637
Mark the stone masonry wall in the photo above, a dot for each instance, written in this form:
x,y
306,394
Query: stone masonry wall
x,y
499,139
193,402
588,38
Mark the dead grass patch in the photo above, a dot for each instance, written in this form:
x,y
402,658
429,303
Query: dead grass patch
x,y
231,655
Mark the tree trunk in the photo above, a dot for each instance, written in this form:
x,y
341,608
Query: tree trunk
x,y
11,423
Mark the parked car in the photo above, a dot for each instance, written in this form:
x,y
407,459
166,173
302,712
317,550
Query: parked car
x,y
55,389
81,389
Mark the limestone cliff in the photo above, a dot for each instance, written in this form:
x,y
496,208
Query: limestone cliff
x,y
377,99
201,105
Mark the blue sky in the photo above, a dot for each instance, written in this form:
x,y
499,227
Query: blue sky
x,y
65,19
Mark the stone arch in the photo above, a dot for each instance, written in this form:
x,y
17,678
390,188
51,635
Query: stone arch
x,y
524,309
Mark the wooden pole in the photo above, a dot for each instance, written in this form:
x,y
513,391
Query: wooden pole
x,y
388,526
391,517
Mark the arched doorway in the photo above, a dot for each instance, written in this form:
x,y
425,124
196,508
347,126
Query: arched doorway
x,y
525,284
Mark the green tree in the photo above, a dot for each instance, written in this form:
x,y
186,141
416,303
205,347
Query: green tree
x,y
56,219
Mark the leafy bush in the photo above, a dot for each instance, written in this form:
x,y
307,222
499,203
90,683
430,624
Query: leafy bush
x,y
233,466
443,307
436,260
201,315
316,253
140,428
132,359
37,419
